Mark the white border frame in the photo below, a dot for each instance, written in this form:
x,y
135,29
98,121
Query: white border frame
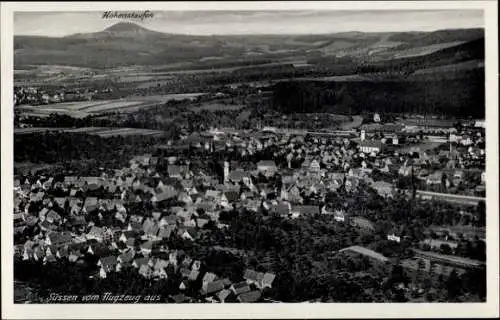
x,y
282,310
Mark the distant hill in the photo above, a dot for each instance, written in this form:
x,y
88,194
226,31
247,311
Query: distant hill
x,y
126,44
420,39
449,81
472,50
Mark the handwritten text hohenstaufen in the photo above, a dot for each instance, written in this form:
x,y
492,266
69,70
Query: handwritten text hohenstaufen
x,y
128,15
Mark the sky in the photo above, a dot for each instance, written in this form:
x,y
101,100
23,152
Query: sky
x,y
58,24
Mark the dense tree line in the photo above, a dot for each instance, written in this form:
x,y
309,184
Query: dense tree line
x,y
455,97
82,152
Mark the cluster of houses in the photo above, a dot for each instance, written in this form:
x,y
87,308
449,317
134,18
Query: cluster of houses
x,y
77,216
35,96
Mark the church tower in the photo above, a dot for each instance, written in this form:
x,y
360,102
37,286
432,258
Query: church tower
x,y
226,172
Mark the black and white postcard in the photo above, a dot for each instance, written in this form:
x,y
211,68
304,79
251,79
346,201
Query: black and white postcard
x,y
328,159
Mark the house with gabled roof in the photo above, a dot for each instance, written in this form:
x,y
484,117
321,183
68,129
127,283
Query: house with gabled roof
x,y
47,227
189,233
251,276
369,146
98,249
73,192
168,220
175,171
213,194
139,262
261,280
134,226
147,247
18,250
184,285
37,253
51,250
209,277
126,235
237,176
223,295
267,167
125,259
159,269
267,280
240,287
147,223
166,231
90,204
185,272
168,192
37,197
28,253
43,214
185,197
49,259
209,288
74,255
146,271
186,213
96,233
60,201
107,264
301,210
62,252
228,197
201,222
180,298
75,206
249,297
58,238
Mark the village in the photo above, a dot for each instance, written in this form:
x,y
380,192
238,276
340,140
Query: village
x,y
125,217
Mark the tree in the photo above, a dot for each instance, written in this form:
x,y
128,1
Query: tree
x,y
481,213
445,249
453,285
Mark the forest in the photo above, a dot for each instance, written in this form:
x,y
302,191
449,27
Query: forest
x,y
82,153
462,97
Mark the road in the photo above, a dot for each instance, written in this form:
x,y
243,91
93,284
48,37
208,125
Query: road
x,y
304,132
448,197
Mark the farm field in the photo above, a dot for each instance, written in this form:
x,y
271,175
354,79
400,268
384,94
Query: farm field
x,y
82,109
462,66
108,106
422,51
103,132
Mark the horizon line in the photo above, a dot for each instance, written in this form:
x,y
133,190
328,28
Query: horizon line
x,y
240,34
